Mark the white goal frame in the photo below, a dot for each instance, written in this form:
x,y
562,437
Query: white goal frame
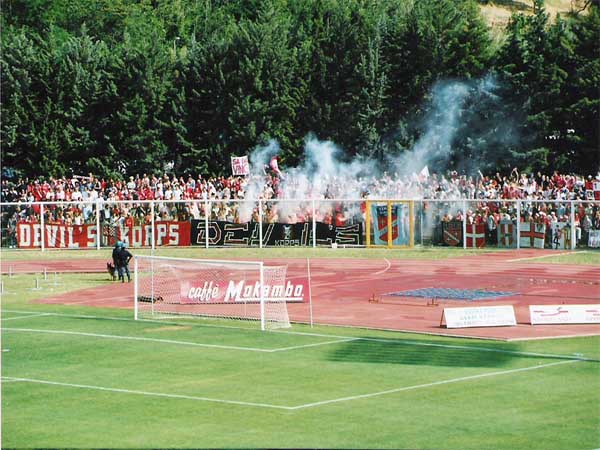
x,y
258,265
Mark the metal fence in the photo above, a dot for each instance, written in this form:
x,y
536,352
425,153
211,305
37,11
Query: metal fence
x,y
306,223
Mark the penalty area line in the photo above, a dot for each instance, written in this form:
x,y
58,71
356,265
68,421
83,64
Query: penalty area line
x,y
146,393
427,385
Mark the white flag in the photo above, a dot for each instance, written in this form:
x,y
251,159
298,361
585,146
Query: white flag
x,y
240,165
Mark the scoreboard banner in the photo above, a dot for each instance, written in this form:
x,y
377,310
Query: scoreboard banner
x,y
228,234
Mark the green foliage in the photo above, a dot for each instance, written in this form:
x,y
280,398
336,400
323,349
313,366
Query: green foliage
x,y
113,86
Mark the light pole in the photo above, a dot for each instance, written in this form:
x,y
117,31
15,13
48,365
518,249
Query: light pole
x,y
175,44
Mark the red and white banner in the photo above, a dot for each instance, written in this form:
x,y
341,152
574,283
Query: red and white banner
x,y
561,235
475,235
556,314
240,165
507,234
166,233
30,235
532,235
596,189
482,316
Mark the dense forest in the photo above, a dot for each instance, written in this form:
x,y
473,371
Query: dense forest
x,y
126,86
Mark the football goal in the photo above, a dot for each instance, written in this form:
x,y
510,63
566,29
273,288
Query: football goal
x,y
167,287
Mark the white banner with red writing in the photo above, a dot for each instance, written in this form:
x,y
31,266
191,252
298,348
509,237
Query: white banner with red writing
x,y
556,314
30,235
240,165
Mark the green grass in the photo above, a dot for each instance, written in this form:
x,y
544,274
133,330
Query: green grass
x,y
554,406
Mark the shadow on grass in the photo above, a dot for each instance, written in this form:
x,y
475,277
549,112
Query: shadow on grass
x,y
423,352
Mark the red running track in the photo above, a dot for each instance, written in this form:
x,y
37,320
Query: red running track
x,y
341,289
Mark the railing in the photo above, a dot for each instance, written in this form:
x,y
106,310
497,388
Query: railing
x,y
308,222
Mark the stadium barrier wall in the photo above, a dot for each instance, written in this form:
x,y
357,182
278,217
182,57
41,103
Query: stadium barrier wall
x,y
304,223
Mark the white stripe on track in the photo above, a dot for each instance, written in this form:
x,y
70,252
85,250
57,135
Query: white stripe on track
x,y
426,385
544,256
389,264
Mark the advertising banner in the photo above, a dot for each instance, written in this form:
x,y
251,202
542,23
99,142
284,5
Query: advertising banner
x,y
482,316
556,314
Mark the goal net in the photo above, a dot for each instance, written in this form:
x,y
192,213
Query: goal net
x,y
237,290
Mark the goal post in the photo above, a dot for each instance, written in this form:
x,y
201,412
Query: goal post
x,y
166,287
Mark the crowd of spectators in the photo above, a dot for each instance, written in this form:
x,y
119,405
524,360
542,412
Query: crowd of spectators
x,y
74,198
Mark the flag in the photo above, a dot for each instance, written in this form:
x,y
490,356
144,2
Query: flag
x,y
596,189
475,235
399,224
240,165
275,166
452,232
532,235
506,234
424,173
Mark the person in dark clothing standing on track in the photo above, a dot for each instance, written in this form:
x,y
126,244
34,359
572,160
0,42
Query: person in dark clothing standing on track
x,y
122,264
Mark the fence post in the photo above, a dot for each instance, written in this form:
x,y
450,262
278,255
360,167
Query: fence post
x,y
98,231
152,224
206,213
42,221
260,224
573,230
464,224
518,224
314,223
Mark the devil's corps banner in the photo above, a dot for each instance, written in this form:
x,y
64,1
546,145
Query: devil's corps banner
x,y
532,235
30,235
240,165
561,235
228,234
475,235
400,224
166,233
507,234
452,233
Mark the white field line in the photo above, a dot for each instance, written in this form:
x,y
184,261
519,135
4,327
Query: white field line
x,y
151,394
389,264
295,347
175,342
456,347
341,338
290,408
544,256
26,316
135,338
426,385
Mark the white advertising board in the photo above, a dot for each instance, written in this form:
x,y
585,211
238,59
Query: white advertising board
x,y
555,314
481,316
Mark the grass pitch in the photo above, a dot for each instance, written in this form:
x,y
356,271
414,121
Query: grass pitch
x,y
89,377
